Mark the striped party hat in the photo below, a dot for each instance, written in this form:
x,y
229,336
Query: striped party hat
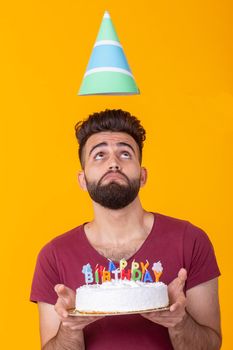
x,y
108,72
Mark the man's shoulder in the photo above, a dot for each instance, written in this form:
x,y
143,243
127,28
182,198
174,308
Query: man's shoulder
x,y
64,240
69,237
174,224
171,221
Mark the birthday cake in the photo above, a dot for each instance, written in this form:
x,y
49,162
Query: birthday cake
x,y
128,291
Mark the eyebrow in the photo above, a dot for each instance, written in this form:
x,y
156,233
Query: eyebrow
x,y
105,144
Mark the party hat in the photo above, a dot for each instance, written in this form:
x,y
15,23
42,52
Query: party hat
x,y
108,72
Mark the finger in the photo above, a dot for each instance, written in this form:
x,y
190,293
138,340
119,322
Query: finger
x,y
159,314
179,304
60,308
66,294
155,313
180,280
182,274
174,307
81,319
79,322
57,287
63,291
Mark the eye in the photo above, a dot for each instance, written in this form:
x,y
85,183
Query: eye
x,y
125,154
99,156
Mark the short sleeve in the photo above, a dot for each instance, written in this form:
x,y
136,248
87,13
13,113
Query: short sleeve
x,y
46,276
199,257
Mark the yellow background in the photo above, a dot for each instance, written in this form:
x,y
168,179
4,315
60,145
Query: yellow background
x,y
181,55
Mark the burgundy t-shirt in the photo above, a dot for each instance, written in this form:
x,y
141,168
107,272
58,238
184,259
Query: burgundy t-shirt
x,y
174,242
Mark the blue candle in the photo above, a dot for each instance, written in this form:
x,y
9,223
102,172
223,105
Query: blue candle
x,y
87,271
111,266
147,277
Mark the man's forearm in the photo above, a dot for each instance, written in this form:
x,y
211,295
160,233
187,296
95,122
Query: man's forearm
x,y
193,336
66,339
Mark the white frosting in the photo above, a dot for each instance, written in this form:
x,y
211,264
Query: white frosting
x,y
120,296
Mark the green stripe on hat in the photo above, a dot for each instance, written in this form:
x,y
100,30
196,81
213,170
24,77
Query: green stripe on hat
x,y
107,30
108,83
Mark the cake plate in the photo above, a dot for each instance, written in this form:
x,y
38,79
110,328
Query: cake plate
x,y
75,312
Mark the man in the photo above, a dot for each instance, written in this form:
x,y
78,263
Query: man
x,y
110,151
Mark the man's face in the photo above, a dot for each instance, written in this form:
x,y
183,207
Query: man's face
x,y
112,173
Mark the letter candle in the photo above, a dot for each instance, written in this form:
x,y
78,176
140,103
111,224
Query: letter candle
x,y
147,277
134,265
116,274
106,276
158,270
123,264
101,269
102,275
136,275
87,271
144,268
126,275
97,274
111,266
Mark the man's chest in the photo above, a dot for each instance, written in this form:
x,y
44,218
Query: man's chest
x,y
116,253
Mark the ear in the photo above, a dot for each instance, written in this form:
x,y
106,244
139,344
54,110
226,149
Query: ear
x,y
143,177
82,181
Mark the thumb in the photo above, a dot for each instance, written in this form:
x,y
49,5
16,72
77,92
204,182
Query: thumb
x,y
182,275
179,282
59,289
63,291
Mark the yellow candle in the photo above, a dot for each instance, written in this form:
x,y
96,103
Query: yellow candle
x,y
106,276
123,264
157,275
134,265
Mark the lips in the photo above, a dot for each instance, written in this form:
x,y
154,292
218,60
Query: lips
x,y
113,176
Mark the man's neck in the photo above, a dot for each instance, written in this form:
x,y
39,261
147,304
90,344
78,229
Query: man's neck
x,y
117,227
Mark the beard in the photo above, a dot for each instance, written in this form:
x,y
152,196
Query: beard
x,y
113,195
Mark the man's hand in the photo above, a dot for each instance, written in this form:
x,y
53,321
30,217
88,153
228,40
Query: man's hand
x,y
66,301
177,313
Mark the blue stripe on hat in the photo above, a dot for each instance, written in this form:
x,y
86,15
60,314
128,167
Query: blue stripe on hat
x,y
108,56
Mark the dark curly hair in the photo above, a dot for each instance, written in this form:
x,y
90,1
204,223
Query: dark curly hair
x,y
115,120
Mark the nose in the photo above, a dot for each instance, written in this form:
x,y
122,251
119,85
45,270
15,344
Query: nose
x,y
113,164
114,167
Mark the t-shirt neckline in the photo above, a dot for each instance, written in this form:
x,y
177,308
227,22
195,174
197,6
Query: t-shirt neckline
x,y
142,247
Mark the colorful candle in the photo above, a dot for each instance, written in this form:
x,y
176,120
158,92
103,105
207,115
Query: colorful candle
x,y
106,276
111,266
96,274
87,271
126,274
116,274
158,270
101,269
136,275
123,264
147,277
134,265
144,267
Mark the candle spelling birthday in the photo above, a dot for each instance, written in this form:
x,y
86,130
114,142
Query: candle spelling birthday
x,y
137,271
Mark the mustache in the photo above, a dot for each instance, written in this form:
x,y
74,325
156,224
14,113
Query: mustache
x,y
113,172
